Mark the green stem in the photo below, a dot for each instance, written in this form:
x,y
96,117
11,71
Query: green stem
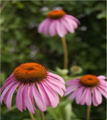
x,y
41,115
31,115
88,112
65,52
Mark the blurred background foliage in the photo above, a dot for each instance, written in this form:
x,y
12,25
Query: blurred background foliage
x,y
20,43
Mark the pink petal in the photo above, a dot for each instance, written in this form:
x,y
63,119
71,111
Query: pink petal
x,y
23,101
44,95
71,88
11,76
79,93
56,77
7,82
73,95
85,97
56,82
53,97
102,77
74,23
5,91
8,98
52,28
63,28
103,90
31,97
103,83
39,101
73,18
88,97
95,99
19,98
59,29
70,26
55,88
66,25
42,25
72,81
46,27
27,99
97,95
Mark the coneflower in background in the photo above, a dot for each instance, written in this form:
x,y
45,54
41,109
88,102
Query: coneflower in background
x,y
59,23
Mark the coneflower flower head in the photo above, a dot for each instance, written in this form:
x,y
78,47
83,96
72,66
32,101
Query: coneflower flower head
x,y
33,82
58,22
87,90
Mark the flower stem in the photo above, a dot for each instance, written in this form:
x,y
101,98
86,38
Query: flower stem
x,y
41,115
88,112
65,53
31,115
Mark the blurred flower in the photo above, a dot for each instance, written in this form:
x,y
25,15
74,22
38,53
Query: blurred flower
x,y
58,22
62,71
75,69
87,89
32,80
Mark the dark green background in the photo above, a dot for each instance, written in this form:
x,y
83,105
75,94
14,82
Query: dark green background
x,y
20,43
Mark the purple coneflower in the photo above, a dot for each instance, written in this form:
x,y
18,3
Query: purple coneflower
x,y
33,83
87,90
58,22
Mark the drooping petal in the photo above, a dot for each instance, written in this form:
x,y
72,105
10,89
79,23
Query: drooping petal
x,y
73,95
66,25
5,91
57,89
7,82
79,93
71,89
63,28
103,83
69,25
19,98
56,82
31,97
27,99
53,97
46,27
59,29
56,77
8,97
84,97
39,101
88,97
44,95
97,95
9,78
73,18
42,25
94,98
72,82
52,28
74,23
102,77
103,90
23,101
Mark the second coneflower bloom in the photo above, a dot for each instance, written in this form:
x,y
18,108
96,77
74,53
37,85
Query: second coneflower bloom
x,y
58,23
33,82
87,90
